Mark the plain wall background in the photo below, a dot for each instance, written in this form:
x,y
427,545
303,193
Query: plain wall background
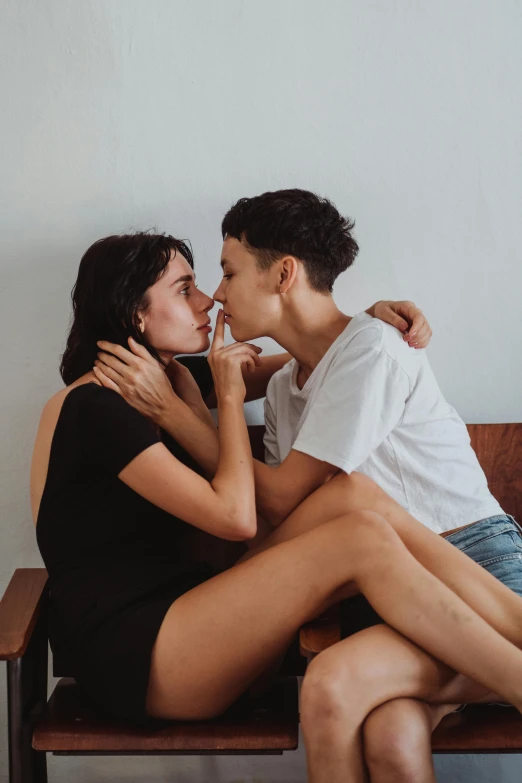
x,y
121,114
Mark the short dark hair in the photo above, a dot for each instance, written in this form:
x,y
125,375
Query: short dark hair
x,y
113,278
298,223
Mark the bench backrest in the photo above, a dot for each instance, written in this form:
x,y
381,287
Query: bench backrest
x,y
499,451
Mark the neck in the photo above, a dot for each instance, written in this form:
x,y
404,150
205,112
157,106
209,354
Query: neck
x,y
308,339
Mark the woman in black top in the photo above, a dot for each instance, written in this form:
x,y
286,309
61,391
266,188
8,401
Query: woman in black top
x,y
148,633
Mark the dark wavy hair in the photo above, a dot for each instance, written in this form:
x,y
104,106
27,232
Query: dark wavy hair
x,y
298,223
111,288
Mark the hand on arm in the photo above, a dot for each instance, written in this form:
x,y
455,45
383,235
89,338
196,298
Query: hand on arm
x,y
407,318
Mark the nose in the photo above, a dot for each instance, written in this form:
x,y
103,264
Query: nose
x,y
209,304
218,295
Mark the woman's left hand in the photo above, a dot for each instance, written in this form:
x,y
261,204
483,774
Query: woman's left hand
x,y
407,318
137,376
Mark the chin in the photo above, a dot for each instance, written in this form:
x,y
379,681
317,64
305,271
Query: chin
x,y
204,343
243,334
192,346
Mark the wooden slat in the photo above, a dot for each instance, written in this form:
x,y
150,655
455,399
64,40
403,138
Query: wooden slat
x,y
320,633
270,723
19,609
480,728
499,451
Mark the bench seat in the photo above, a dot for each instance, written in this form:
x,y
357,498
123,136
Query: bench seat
x,y
267,724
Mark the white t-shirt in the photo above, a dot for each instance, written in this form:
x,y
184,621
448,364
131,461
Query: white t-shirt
x,y
372,404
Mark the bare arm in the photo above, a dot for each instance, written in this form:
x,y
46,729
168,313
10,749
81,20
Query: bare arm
x,y
279,490
225,506
199,438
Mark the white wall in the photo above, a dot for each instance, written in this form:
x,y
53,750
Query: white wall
x,y
119,114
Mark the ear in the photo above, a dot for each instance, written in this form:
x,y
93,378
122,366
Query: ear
x,y
287,273
140,323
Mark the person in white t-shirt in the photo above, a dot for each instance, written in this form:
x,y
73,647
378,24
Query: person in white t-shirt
x,y
354,421
355,398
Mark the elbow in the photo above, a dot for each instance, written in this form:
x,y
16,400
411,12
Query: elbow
x,y
242,527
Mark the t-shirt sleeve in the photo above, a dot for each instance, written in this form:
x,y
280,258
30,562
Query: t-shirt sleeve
x,y
112,432
361,400
272,456
200,371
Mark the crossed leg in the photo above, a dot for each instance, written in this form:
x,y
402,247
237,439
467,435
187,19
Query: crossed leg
x,y
499,605
397,735
492,600
344,725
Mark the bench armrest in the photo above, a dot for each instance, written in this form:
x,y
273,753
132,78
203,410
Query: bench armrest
x,y
320,633
19,610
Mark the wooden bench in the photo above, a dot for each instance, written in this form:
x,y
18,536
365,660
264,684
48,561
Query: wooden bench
x,y
479,728
65,725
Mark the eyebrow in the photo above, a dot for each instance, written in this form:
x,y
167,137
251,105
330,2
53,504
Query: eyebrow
x,y
184,279
224,261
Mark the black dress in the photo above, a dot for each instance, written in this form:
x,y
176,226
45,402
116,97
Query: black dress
x,y
115,561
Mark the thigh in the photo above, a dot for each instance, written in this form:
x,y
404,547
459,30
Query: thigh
x,y
219,637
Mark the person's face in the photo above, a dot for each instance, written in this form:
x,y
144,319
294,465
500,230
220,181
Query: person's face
x,y
246,293
176,311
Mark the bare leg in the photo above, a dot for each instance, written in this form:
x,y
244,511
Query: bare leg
x,y
492,600
352,679
397,741
222,635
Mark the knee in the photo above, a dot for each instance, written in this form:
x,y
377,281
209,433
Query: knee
x,y
332,694
368,532
324,695
395,736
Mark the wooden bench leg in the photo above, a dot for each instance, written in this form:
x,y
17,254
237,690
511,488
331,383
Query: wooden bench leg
x,y
26,699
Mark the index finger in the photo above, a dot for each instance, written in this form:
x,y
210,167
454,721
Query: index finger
x,y
219,332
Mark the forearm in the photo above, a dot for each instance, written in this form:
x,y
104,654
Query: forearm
x,y
199,438
280,490
234,476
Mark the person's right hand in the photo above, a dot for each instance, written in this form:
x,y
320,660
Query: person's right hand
x,y
226,362
136,376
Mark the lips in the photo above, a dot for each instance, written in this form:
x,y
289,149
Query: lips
x,y
204,326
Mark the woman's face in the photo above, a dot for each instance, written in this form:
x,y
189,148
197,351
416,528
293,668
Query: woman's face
x,y
176,318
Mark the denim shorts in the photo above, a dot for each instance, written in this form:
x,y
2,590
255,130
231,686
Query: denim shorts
x,y
494,543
